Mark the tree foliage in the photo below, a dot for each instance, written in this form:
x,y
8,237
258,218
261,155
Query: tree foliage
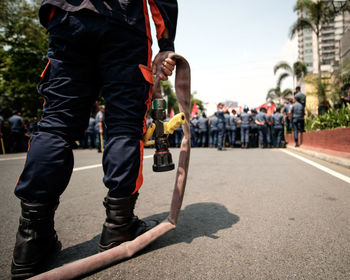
x,y
276,96
170,94
297,72
23,46
333,118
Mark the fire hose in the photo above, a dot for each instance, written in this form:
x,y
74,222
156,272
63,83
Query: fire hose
x,y
128,249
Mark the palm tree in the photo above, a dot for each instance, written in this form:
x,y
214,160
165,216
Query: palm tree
x,y
276,96
317,13
297,72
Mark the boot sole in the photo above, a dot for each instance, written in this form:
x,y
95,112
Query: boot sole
x,y
24,271
102,248
140,231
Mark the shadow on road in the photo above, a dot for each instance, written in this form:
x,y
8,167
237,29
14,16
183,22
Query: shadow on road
x,y
196,220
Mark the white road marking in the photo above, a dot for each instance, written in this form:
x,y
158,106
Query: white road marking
x,y
98,165
321,167
12,158
87,167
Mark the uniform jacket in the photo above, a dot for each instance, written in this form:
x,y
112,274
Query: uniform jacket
x,y
203,124
233,120
131,12
297,111
277,119
213,122
245,119
261,117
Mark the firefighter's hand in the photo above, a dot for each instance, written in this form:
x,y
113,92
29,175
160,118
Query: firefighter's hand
x,y
163,66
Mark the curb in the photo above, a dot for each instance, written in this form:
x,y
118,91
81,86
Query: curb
x,y
345,162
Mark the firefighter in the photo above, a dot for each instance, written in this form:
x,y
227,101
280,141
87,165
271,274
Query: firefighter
x,y
94,47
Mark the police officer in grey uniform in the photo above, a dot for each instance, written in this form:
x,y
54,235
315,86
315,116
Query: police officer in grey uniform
x,y
203,130
227,138
245,119
194,131
300,96
269,131
221,123
286,109
261,121
254,139
90,133
296,115
213,131
17,132
233,126
277,124
178,134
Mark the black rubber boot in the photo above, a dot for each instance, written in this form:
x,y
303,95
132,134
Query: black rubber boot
x,y
121,224
36,239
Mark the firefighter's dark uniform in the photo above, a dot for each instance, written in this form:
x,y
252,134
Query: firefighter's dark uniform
x,y
95,47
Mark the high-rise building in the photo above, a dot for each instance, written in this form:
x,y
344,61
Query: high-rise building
x,y
330,36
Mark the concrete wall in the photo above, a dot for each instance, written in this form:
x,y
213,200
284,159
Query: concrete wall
x,y
335,141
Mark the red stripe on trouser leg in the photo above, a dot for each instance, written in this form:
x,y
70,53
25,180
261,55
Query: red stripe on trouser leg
x,y
139,179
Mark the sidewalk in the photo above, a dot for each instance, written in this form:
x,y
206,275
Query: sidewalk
x,y
340,158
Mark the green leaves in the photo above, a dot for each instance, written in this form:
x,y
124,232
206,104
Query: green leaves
x,y
23,46
172,100
334,118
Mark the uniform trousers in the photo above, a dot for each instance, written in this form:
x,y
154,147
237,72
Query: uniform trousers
x,y
89,54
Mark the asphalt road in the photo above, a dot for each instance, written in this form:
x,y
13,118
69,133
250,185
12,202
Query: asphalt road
x,y
247,214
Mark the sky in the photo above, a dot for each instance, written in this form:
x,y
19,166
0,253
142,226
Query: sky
x,y
232,47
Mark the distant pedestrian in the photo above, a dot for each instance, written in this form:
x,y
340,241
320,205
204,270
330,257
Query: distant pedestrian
x,y
254,132
227,137
17,132
277,123
296,115
300,96
213,131
203,130
269,131
149,121
221,123
194,131
245,119
286,109
90,135
100,129
262,121
178,134
233,127
34,125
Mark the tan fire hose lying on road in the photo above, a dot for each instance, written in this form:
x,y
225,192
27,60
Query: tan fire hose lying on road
x,y
128,249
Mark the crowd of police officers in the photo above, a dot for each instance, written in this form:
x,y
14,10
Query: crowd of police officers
x,y
226,128
15,132
248,129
